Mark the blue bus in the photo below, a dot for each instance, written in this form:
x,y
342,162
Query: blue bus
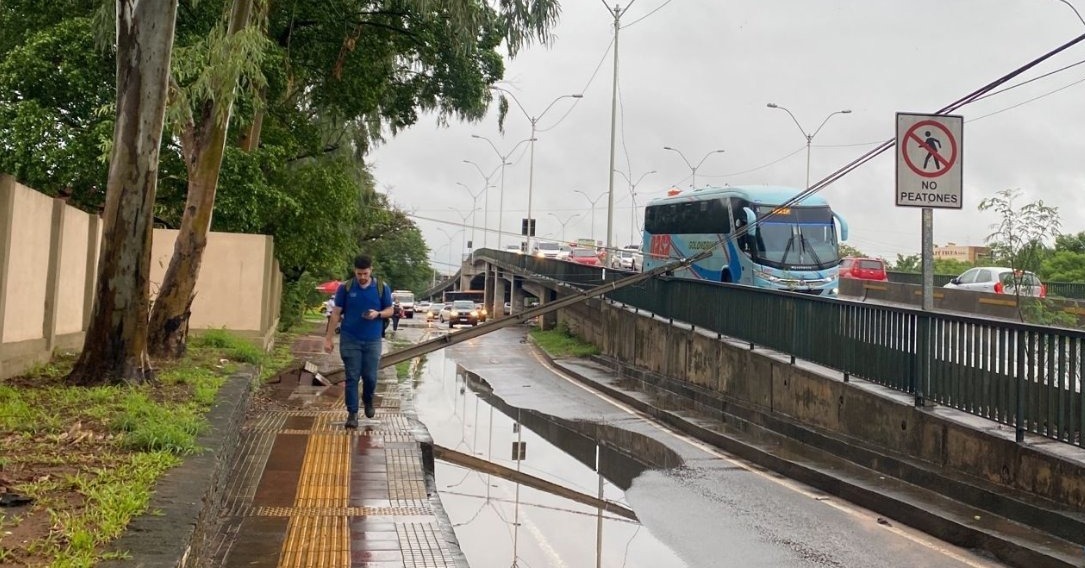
x,y
795,248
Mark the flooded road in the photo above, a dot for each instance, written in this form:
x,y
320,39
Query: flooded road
x,y
695,505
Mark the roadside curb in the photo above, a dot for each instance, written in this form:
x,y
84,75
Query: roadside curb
x,y
187,498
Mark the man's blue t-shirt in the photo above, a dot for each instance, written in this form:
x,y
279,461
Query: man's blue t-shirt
x,y
360,301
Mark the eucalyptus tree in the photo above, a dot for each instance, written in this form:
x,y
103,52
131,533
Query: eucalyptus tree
x,y
115,345
365,65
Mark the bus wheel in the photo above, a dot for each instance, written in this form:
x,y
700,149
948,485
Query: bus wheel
x,y
725,277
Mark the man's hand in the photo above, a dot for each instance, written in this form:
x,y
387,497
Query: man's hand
x,y
329,343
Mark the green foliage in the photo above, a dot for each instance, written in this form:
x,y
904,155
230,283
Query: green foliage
x,y
1019,236
1063,266
561,342
232,346
56,110
910,263
152,427
1071,243
951,266
1045,312
298,296
400,254
848,250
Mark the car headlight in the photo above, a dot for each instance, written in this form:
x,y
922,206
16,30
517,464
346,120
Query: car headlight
x,y
453,313
474,314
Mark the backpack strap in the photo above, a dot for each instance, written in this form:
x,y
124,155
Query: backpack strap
x,y
350,286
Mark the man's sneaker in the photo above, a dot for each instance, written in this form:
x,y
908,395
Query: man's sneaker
x,y
369,412
352,420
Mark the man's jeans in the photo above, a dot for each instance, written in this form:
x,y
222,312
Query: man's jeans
x,y
360,358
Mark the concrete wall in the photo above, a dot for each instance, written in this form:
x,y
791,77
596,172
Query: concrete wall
x,y
48,265
711,374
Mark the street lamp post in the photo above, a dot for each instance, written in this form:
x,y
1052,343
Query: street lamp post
x,y
474,208
633,196
501,192
564,223
449,237
463,227
531,167
809,136
593,202
486,202
693,169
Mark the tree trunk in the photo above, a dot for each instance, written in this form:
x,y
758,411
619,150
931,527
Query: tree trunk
x,y
115,347
203,144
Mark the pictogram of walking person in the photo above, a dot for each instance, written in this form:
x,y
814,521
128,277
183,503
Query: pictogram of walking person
x,y
931,145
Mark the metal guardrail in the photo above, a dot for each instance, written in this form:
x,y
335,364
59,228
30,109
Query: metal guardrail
x,y
1074,290
1026,376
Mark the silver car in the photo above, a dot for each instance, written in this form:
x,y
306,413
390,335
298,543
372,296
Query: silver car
x,y
999,280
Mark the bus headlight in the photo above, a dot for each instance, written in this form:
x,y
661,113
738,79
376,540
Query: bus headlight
x,y
766,276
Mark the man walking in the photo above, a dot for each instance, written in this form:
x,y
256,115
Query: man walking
x,y
361,304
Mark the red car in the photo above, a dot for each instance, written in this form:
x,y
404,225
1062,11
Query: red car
x,y
863,269
584,256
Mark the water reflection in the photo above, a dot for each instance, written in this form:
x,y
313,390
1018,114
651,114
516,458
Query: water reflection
x,y
499,522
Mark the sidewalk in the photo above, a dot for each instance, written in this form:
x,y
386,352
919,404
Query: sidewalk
x,y
303,491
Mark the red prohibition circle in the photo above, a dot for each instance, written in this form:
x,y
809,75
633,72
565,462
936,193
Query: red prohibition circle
x,y
910,135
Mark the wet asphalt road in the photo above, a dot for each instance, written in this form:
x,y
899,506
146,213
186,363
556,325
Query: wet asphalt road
x,y
712,511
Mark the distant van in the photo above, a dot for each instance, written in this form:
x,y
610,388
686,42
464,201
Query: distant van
x,y
405,299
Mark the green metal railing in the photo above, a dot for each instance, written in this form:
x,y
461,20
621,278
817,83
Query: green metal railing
x,y
1025,376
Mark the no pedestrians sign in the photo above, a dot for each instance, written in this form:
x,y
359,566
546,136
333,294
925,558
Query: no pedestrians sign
x,y
929,149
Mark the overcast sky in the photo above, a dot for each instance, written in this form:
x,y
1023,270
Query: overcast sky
x,y
696,75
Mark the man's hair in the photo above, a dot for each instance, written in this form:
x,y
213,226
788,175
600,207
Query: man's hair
x,y
361,262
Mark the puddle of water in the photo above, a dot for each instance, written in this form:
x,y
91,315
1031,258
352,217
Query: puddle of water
x,y
503,523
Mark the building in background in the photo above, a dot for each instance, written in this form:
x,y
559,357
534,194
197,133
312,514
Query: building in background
x,y
966,253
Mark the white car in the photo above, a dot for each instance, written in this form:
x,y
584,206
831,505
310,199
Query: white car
x,y
998,280
544,249
628,259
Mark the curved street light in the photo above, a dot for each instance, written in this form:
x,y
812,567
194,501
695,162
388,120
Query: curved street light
x,y
474,209
563,224
809,136
486,202
593,202
693,169
633,196
531,168
449,237
504,162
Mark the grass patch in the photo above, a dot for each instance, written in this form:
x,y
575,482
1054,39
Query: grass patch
x,y
91,456
561,343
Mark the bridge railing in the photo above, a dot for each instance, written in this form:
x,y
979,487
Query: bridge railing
x,y
1025,376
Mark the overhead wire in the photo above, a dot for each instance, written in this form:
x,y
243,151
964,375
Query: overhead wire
x,y
582,91
886,145
638,20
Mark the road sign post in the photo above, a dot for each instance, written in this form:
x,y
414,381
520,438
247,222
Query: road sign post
x,y
929,165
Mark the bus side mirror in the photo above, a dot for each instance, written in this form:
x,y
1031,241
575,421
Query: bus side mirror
x,y
843,226
751,221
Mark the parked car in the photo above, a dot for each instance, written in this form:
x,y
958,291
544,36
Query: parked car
x,y
999,280
462,311
863,269
584,256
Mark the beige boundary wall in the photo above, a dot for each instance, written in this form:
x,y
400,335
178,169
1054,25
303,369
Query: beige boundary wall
x,y
698,362
48,259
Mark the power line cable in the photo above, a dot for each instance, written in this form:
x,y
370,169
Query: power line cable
x,y
634,22
582,91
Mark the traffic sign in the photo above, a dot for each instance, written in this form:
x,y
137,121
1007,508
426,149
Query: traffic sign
x,y
929,151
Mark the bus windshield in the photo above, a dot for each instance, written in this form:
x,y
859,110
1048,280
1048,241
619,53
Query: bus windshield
x,y
795,237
